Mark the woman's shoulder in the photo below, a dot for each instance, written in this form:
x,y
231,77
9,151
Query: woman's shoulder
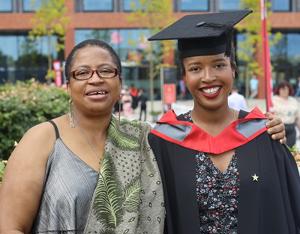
x,y
42,132
38,140
32,152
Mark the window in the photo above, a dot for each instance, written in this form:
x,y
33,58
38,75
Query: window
x,y
6,5
288,47
125,41
193,5
131,45
29,5
21,58
227,5
281,5
130,5
285,58
97,5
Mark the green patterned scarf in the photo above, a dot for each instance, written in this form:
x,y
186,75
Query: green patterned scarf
x,y
128,197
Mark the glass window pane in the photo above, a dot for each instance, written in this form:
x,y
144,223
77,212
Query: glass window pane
x,y
97,5
293,48
123,41
130,5
194,5
132,46
287,47
281,5
22,59
31,5
83,34
285,58
229,5
5,5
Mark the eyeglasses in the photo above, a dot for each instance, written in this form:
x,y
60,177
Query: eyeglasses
x,y
87,73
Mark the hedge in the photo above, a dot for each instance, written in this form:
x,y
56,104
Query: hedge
x,y
2,167
23,105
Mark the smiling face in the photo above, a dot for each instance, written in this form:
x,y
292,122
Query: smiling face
x,y
95,96
209,80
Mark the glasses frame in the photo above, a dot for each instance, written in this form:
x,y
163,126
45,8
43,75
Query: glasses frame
x,y
116,73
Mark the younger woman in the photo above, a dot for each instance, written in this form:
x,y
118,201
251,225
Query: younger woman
x,y
221,172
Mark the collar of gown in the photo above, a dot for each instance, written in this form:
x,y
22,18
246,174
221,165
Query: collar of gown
x,y
189,135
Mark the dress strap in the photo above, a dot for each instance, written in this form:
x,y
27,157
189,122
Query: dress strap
x,y
55,128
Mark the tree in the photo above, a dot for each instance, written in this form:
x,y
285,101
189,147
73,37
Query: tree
x,y
252,43
154,14
50,20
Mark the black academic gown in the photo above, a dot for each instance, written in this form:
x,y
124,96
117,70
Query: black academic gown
x,y
270,205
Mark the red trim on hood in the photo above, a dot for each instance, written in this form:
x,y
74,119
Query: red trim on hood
x,y
200,140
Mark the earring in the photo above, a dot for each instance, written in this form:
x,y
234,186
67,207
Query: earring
x,y
71,115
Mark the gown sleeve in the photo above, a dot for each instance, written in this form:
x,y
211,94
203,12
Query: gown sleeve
x,y
289,180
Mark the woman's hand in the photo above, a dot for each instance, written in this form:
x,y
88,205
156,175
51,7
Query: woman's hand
x,y
276,128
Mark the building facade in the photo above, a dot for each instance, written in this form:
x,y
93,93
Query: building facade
x,y
21,59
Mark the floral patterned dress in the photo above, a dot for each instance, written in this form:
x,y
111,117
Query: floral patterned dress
x,y
217,193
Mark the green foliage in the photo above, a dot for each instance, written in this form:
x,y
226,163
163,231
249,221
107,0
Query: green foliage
x,y
24,105
154,14
51,20
155,113
251,27
50,74
2,167
293,149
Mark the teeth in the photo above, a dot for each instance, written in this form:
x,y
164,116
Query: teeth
x,y
211,90
97,93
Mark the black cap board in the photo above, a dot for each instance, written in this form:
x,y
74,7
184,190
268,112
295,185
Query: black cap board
x,y
203,34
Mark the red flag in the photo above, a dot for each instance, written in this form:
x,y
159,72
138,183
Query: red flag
x,y
266,56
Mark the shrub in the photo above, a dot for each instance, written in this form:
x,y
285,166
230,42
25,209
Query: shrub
x,y
2,167
23,105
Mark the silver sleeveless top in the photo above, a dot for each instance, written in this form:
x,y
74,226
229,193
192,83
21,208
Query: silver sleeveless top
x,y
68,189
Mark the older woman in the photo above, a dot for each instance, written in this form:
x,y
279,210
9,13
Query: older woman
x,y
84,170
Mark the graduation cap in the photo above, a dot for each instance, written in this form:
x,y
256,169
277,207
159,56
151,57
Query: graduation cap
x,y
203,34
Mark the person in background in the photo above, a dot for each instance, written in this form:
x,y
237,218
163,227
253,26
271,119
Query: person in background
x,y
84,172
237,101
253,87
126,100
133,91
288,109
142,98
221,171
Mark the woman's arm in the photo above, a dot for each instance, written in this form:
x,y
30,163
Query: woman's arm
x,y
23,180
276,128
